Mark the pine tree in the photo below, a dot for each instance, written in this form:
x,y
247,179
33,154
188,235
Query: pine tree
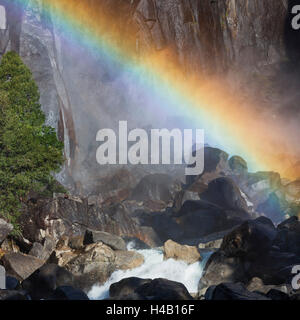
x,y
29,150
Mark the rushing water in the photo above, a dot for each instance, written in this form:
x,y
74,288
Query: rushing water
x,y
155,267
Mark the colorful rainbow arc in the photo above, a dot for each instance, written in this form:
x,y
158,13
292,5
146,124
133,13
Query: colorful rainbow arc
x,y
225,126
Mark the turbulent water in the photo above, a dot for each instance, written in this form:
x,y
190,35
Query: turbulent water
x,y
155,267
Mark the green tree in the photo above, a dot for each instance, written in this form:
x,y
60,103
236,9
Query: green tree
x,y
29,150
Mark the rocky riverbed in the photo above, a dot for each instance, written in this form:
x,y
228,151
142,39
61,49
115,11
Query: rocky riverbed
x,y
226,234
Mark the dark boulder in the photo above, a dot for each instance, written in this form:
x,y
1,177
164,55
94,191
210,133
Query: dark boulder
x,y
163,289
201,218
277,295
252,238
156,187
147,289
288,241
126,287
203,222
163,224
290,224
42,283
232,291
68,293
273,267
226,194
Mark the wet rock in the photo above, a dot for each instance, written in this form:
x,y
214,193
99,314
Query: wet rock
x,y
126,287
94,265
5,230
232,291
126,260
288,241
42,283
146,289
20,265
221,269
199,218
163,289
273,267
224,193
252,238
113,241
173,250
68,293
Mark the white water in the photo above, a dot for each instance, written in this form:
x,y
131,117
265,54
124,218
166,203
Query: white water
x,y
155,267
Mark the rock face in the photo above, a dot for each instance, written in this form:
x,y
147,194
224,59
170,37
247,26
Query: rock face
x,y
185,253
70,216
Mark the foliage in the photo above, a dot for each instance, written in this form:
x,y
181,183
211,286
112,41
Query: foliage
x,y
29,149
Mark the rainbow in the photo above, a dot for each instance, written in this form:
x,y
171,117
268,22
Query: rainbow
x,y
238,131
